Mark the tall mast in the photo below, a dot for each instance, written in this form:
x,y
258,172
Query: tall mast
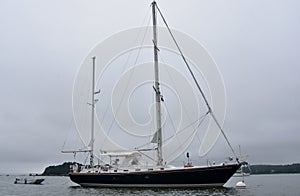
x,y
92,113
157,91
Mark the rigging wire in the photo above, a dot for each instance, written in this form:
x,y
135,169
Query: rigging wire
x,y
67,136
131,73
139,48
172,123
181,130
184,108
172,80
197,84
201,120
127,84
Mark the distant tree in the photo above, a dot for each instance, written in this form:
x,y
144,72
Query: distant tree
x,y
275,169
58,170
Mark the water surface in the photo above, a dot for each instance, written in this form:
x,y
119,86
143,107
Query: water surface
x,y
283,184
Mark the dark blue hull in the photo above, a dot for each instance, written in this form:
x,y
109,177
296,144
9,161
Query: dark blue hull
x,y
177,178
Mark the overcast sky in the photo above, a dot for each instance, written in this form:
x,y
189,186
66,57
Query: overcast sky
x,y
255,44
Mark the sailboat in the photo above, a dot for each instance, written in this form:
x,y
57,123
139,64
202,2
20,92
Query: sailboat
x,y
124,170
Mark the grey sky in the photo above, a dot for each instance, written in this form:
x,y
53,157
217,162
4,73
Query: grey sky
x,y
42,44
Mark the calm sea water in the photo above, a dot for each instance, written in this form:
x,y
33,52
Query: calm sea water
x,y
284,184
